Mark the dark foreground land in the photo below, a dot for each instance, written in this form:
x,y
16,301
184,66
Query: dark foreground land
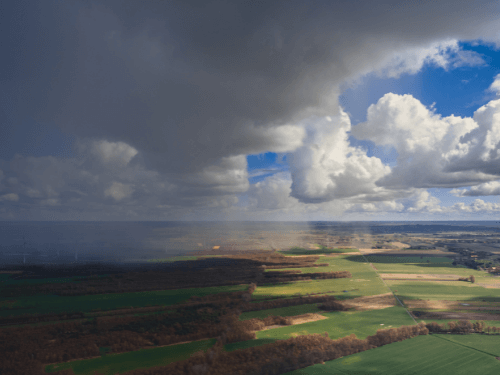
x,y
312,309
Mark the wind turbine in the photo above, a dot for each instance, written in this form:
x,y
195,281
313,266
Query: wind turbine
x,y
24,251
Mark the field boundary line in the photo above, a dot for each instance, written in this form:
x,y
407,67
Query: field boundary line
x,y
465,346
387,286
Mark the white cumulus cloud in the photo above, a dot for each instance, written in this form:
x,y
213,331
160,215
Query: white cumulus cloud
x,y
488,188
427,144
326,167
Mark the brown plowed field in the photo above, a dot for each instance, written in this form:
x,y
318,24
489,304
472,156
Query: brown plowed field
x,y
380,301
419,277
457,315
413,253
298,319
489,286
452,305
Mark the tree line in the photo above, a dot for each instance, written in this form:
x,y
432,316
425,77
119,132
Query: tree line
x,y
204,272
281,356
462,326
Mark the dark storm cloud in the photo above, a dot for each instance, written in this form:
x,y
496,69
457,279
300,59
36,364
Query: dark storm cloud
x,y
187,83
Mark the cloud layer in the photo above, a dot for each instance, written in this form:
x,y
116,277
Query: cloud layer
x,y
166,99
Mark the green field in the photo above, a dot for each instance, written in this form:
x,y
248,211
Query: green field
x,y
351,263
485,343
428,355
118,363
436,265
247,344
282,311
46,304
323,250
340,324
6,279
446,268
445,290
364,281
376,259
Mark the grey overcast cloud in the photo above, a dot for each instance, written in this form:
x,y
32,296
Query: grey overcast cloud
x,y
151,110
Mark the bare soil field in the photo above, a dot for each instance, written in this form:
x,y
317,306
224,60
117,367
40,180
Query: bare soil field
x,y
306,318
374,251
419,277
490,286
378,302
413,253
400,245
456,315
449,305
298,319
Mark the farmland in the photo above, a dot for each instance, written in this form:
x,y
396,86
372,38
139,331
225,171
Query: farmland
x,y
63,304
364,281
441,357
117,363
284,290
340,324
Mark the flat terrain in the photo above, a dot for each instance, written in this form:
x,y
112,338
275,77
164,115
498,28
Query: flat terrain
x,y
416,276
430,355
340,324
364,281
46,304
111,364
429,287
426,282
282,311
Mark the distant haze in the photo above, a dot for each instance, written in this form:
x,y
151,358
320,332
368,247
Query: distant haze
x,y
58,242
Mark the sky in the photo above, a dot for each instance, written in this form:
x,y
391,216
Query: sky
x,y
249,110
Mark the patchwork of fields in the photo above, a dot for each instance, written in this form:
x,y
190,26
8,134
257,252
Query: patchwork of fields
x,y
372,275
420,281
365,281
430,355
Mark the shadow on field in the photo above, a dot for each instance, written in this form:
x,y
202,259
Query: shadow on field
x,y
247,344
